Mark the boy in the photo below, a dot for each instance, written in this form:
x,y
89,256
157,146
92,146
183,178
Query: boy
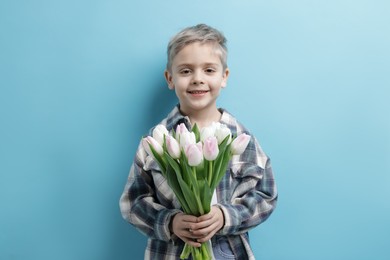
x,y
197,71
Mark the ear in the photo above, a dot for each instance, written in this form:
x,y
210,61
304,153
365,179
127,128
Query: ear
x,y
168,78
225,77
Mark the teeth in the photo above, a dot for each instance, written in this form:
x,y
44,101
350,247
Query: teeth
x,y
198,91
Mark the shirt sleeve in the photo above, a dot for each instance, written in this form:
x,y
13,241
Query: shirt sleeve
x,y
254,194
138,202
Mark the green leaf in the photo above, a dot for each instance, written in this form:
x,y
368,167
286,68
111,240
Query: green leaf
x,y
185,168
223,147
175,186
173,133
187,171
203,172
196,131
221,171
186,193
174,164
200,172
189,197
194,181
159,159
205,195
164,146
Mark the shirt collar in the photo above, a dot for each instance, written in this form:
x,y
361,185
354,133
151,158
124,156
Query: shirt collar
x,y
175,117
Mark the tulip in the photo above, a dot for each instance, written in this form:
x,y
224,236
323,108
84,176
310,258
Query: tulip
x,y
207,132
150,141
187,138
180,129
210,148
194,154
173,147
240,143
215,125
158,133
222,132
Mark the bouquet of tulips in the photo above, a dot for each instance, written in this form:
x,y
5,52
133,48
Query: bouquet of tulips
x,y
194,162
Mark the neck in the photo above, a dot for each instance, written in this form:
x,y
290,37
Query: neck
x,y
204,118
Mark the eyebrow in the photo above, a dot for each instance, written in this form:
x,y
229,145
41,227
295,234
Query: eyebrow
x,y
190,65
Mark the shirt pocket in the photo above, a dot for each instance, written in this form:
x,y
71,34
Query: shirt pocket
x,y
245,177
241,170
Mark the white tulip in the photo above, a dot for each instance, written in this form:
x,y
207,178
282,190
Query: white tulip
x,y
194,154
158,133
150,141
187,138
240,143
207,132
173,147
222,132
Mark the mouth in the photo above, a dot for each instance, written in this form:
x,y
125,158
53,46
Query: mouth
x,y
197,92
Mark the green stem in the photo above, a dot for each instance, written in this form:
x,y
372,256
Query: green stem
x,y
205,252
200,206
210,172
194,172
186,251
196,193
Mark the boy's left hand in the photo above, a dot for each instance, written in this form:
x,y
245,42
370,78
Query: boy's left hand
x,y
209,224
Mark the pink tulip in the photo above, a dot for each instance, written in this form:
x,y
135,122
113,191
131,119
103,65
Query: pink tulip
x,y
240,143
194,154
210,148
173,147
147,141
180,129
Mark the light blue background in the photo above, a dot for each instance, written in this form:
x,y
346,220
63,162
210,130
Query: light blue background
x,y
81,81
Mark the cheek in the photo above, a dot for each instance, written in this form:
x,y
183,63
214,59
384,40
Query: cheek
x,y
217,84
181,83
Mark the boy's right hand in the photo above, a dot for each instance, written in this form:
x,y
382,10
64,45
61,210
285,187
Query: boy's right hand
x,y
181,227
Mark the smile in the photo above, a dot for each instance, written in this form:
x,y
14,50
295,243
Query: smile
x,y
197,92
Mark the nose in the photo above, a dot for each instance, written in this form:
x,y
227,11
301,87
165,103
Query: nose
x,y
197,78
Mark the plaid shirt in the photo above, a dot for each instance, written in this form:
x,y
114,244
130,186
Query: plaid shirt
x,y
246,195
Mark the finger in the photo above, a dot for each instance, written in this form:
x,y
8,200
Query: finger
x,y
200,227
189,218
214,210
206,238
204,222
185,221
208,235
191,242
205,217
213,228
189,234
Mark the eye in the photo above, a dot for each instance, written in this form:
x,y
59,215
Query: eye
x,y
210,70
185,71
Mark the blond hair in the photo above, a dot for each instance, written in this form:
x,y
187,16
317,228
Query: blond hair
x,y
199,33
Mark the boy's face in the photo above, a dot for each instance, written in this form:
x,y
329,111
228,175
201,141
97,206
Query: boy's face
x,y
197,76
